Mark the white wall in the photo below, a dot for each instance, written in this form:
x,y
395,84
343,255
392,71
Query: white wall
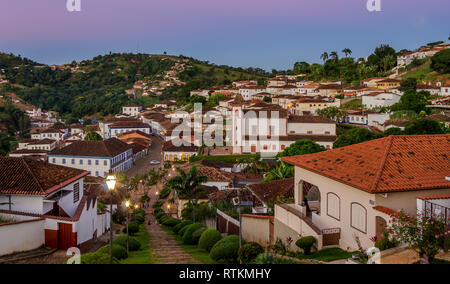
x,y
22,236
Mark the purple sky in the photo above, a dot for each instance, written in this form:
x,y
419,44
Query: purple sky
x,y
259,33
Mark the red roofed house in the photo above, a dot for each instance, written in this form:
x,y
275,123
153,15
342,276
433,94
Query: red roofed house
x,y
351,191
43,204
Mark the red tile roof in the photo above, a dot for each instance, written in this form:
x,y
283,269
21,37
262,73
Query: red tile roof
x,y
434,197
391,164
30,177
107,148
385,210
269,191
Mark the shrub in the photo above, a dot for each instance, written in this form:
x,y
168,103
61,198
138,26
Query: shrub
x,y
249,252
306,244
208,239
158,204
97,258
160,215
139,218
133,244
119,252
187,236
183,224
171,222
198,233
133,229
182,230
264,259
226,249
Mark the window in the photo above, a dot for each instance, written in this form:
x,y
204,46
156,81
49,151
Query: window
x,y
89,162
96,162
358,215
53,161
333,206
81,162
105,163
76,192
64,161
73,161
96,173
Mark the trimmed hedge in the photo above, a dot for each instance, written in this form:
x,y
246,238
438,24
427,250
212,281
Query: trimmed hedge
x,y
133,229
133,244
188,237
96,258
182,230
226,249
306,244
139,218
119,252
183,224
208,239
171,222
198,233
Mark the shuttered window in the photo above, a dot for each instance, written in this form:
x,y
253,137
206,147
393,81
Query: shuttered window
x,y
76,192
334,206
359,217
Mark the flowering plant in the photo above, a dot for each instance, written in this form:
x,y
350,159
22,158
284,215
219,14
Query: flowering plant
x,y
426,232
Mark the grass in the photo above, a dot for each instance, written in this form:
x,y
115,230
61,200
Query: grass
x,y
199,254
142,256
328,255
436,261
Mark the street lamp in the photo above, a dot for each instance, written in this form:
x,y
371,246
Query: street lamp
x,y
194,201
111,183
127,205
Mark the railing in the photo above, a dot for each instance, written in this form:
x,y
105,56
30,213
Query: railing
x,y
436,209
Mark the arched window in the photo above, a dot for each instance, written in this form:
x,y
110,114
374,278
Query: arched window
x,y
358,215
333,206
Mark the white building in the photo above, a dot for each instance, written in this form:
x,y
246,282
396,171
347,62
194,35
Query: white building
x,y
47,205
132,110
380,99
97,157
247,92
120,127
271,130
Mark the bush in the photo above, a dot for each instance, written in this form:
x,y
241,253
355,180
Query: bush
x,y
384,243
208,239
139,218
182,230
198,233
158,204
264,259
97,258
133,229
133,244
183,224
171,222
119,252
188,238
306,244
160,215
226,249
249,252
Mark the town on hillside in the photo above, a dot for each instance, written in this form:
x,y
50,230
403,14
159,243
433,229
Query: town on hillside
x,y
138,158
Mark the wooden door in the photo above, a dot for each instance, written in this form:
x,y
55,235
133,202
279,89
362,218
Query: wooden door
x,y
65,236
380,226
253,148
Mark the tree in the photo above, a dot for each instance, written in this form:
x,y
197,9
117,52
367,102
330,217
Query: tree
x,y
187,184
408,84
324,56
413,100
347,51
332,113
334,55
267,99
354,136
440,62
424,126
302,68
5,144
302,147
91,135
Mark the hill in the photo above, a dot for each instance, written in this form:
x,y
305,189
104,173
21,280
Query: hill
x,y
97,86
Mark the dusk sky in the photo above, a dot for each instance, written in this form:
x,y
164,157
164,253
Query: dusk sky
x,y
242,33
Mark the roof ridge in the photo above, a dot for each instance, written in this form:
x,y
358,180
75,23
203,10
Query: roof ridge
x,y
383,162
32,174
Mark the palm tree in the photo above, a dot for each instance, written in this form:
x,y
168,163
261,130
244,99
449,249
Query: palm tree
x,y
347,51
187,184
324,56
334,55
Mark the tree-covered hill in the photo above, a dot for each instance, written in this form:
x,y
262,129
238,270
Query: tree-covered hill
x,y
98,86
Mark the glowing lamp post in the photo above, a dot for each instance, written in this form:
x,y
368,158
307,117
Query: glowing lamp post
x,y
127,205
111,183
